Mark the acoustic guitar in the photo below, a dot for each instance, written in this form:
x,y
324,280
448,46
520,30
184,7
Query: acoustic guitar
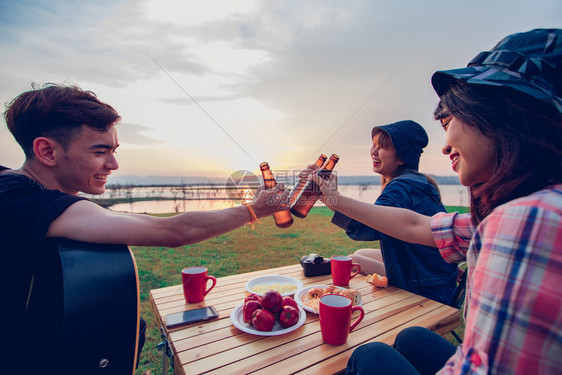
x,y
83,314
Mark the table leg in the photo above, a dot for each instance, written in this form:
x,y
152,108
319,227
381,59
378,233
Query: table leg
x,y
167,358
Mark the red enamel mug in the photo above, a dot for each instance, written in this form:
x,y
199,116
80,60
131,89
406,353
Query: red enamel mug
x,y
335,318
341,269
195,280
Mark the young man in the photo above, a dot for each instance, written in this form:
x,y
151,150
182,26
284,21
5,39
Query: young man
x,y
69,138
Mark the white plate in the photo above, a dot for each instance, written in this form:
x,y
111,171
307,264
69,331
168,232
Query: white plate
x,y
273,280
237,320
301,297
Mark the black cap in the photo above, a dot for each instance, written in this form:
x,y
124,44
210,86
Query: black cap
x,y
529,62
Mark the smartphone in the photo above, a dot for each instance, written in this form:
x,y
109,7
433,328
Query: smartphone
x,y
191,316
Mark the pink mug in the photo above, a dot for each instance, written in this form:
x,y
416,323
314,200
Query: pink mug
x,y
195,280
341,270
335,318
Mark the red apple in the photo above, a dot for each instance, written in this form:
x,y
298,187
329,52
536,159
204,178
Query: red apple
x,y
263,320
288,301
288,316
272,301
253,297
248,310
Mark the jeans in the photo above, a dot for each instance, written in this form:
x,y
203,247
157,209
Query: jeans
x,y
416,350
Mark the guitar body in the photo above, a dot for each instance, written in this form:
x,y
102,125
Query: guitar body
x,y
86,321
101,306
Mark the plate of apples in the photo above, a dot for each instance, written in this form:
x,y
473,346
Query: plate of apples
x,y
268,315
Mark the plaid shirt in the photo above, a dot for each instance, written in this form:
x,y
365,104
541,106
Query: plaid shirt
x,y
513,312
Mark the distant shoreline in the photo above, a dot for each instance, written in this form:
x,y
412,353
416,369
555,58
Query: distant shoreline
x,y
162,181
452,194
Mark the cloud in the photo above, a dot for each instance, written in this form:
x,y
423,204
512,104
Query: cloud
x,y
131,134
199,99
285,79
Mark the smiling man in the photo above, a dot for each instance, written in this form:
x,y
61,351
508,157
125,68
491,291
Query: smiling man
x,y
69,138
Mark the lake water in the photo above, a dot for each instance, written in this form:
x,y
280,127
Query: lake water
x,y
185,198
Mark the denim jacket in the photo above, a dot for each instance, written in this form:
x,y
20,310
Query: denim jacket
x,y
417,268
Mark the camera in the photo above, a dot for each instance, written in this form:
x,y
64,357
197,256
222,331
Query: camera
x,y
315,265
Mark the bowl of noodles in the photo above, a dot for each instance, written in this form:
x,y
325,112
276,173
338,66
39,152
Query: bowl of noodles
x,y
285,285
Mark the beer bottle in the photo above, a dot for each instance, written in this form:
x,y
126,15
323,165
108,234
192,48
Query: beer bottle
x,y
283,219
300,184
309,195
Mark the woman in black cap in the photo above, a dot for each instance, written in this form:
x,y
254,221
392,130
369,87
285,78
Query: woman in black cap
x,y
420,269
503,119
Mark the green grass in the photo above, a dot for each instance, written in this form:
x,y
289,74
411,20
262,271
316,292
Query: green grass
x,y
239,251
459,209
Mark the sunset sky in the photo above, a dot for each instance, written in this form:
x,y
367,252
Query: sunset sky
x,y
209,87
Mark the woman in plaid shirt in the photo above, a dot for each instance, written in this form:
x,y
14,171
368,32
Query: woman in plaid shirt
x,y
503,121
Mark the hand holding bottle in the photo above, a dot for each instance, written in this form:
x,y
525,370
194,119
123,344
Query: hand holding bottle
x,y
283,218
269,201
310,193
305,173
328,186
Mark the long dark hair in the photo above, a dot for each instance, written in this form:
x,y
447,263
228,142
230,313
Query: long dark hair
x,y
527,135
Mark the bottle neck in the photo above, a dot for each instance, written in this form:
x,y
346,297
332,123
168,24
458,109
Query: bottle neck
x,y
268,179
330,164
269,182
321,160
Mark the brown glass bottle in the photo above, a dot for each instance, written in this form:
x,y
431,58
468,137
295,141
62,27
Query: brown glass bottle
x,y
309,195
283,219
301,184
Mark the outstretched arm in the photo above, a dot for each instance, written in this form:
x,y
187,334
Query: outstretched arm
x,y
86,221
400,223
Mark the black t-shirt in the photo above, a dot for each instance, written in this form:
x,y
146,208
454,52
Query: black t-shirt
x,y
27,210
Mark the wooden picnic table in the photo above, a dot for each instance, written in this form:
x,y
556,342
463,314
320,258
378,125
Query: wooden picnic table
x,y
219,347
